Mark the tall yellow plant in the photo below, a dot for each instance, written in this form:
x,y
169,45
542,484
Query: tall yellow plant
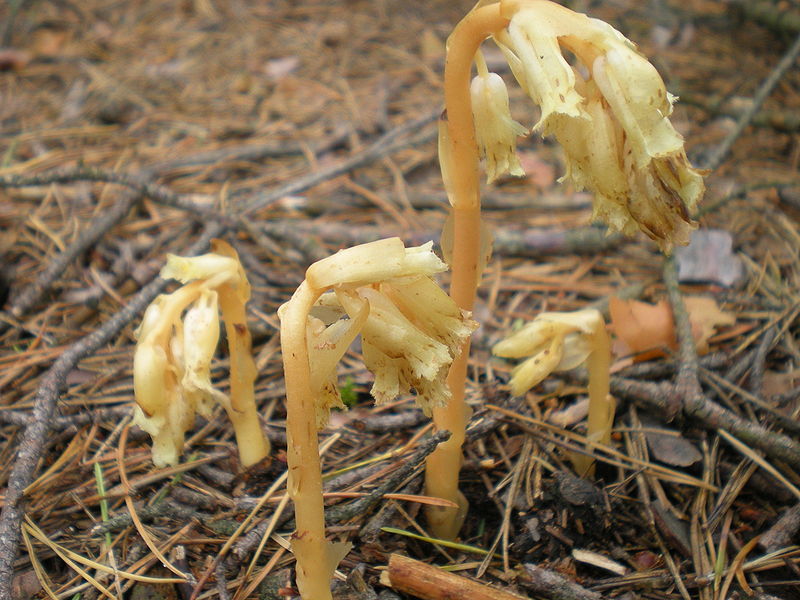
x,y
610,113
410,331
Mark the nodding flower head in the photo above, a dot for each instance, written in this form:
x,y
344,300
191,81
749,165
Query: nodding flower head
x,y
611,116
176,343
551,342
410,329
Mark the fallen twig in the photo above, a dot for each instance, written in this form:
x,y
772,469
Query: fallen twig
x,y
660,397
141,183
719,153
337,514
687,383
553,586
783,531
430,583
529,243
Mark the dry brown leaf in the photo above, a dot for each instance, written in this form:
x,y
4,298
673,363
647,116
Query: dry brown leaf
x,y
706,316
643,329
648,329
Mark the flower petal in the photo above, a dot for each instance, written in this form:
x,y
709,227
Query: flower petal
x,y
373,262
496,132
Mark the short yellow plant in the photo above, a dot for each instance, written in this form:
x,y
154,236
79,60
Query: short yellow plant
x,y
410,332
560,341
610,113
176,343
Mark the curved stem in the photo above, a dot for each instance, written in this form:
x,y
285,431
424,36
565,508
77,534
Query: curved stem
x,y
444,464
302,452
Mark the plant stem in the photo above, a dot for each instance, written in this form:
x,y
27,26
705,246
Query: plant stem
x,y
601,403
250,439
444,464
302,452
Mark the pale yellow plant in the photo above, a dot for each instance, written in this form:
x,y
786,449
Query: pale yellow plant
x,y
176,342
610,113
410,331
554,342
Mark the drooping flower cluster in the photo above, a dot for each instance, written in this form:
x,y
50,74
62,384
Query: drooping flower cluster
x,y
613,122
176,342
551,342
410,328
560,342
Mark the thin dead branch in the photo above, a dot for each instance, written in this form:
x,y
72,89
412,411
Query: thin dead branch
x,y
721,151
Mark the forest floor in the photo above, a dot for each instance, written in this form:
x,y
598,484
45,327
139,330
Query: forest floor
x,y
165,117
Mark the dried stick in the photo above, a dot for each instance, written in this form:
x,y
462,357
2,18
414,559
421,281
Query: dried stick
x,y
661,398
22,418
529,243
783,531
430,583
554,586
141,183
252,152
170,509
363,505
756,379
687,383
721,151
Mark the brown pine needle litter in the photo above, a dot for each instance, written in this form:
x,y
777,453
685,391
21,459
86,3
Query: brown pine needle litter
x,y
291,130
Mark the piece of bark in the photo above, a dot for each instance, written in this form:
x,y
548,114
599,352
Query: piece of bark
x,y
431,583
783,531
553,586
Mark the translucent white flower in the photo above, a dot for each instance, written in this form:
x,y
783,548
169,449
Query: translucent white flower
x,y
205,266
534,55
163,410
560,342
374,262
496,132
